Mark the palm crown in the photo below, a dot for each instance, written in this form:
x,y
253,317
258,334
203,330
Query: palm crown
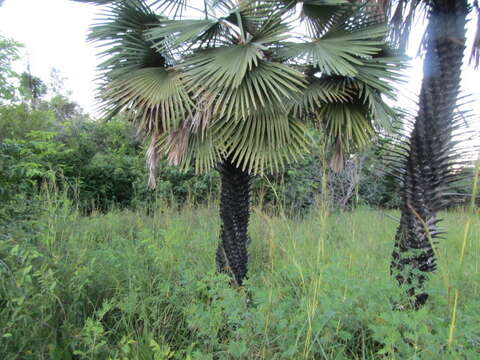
x,y
237,79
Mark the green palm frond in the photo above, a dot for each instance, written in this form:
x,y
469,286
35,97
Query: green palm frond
x,y
250,22
382,114
120,32
202,153
363,94
269,85
241,79
186,148
338,52
174,8
155,97
347,123
323,16
322,91
381,73
221,68
320,16
172,34
270,29
266,141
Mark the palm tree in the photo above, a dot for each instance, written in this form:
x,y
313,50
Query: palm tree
x,y
427,161
231,84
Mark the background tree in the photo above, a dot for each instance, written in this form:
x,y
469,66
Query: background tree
x,y
32,88
233,86
8,54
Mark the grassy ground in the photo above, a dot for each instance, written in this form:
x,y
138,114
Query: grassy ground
x,y
125,285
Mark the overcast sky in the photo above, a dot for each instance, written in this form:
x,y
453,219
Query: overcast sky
x,y
54,34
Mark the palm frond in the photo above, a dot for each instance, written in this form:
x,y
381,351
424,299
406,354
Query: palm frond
x,y
175,34
228,84
381,73
347,123
265,142
323,16
250,22
240,79
189,149
120,31
321,91
221,68
174,8
155,97
338,52
320,16
271,27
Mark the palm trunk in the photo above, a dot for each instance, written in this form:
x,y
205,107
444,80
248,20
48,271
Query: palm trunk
x,y
426,168
232,254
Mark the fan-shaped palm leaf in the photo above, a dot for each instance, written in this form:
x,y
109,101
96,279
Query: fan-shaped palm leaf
x,y
241,79
120,31
337,52
155,97
263,141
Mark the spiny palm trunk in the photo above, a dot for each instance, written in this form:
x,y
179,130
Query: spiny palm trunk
x,y
426,168
232,254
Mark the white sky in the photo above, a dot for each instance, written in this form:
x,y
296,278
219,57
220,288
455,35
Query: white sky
x,y
54,34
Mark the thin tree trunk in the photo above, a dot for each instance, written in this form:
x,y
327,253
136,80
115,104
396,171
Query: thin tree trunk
x,y
232,254
426,171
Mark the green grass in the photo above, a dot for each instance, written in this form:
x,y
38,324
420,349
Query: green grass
x,y
125,285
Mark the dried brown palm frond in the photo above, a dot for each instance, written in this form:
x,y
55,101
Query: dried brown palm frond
x,y
152,157
202,116
338,159
177,144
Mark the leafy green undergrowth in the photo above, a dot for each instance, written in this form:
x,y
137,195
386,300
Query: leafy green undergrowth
x,y
124,285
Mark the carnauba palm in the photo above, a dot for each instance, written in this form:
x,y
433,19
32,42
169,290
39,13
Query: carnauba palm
x,y
229,85
428,160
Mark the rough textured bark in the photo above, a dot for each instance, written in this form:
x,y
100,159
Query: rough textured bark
x,y
232,253
426,169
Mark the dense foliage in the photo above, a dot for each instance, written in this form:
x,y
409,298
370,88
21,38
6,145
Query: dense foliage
x,y
105,163
126,285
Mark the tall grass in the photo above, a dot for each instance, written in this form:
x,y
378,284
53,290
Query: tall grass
x,y
127,285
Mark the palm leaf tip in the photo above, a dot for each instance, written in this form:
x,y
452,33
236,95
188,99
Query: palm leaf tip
x,y
119,31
